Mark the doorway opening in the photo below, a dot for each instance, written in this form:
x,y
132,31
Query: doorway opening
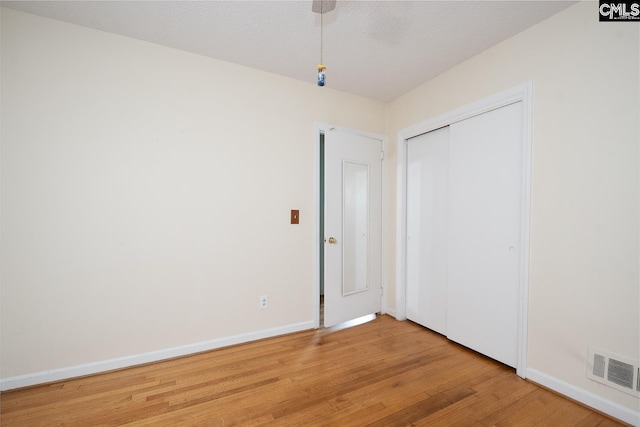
x,y
321,230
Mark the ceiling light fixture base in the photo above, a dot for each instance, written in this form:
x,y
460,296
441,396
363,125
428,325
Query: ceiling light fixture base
x,y
323,6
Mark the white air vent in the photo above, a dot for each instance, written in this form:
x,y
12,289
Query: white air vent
x,y
613,370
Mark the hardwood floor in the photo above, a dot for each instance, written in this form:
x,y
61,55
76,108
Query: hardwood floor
x,y
381,373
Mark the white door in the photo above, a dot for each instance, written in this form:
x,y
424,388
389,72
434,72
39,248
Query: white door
x,y
485,211
352,226
464,210
427,209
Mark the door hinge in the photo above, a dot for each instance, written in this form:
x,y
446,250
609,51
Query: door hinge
x,y
381,291
382,155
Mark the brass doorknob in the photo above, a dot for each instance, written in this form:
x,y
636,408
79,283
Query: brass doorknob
x,y
332,240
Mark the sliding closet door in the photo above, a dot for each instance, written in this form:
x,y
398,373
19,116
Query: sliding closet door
x,y
483,259
427,200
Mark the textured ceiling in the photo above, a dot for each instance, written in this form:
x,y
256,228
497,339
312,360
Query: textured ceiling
x,y
376,49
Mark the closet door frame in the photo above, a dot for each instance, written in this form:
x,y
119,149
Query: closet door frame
x,y
524,94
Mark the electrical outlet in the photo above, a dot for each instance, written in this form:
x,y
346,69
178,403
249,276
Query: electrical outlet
x,y
264,302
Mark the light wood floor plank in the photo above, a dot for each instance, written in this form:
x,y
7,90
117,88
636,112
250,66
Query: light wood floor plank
x,y
381,373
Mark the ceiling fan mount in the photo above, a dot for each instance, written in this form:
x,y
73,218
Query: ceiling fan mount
x,y
323,6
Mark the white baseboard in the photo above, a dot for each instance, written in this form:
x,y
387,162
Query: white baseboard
x,y
585,397
139,359
391,312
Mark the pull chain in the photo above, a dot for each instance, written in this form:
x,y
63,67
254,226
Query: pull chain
x,y
321,68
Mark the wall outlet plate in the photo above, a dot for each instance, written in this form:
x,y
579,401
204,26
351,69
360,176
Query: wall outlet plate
x,y
264,302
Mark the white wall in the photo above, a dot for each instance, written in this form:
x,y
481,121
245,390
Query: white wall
x,y
585,181
146,195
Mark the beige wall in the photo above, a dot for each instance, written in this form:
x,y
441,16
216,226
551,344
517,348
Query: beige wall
x,y
146,195
585,181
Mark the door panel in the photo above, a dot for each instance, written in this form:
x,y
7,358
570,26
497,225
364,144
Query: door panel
x,y
427,204
353,226
485,173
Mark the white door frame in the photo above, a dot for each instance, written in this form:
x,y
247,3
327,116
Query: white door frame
x,y
523,93
322,128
